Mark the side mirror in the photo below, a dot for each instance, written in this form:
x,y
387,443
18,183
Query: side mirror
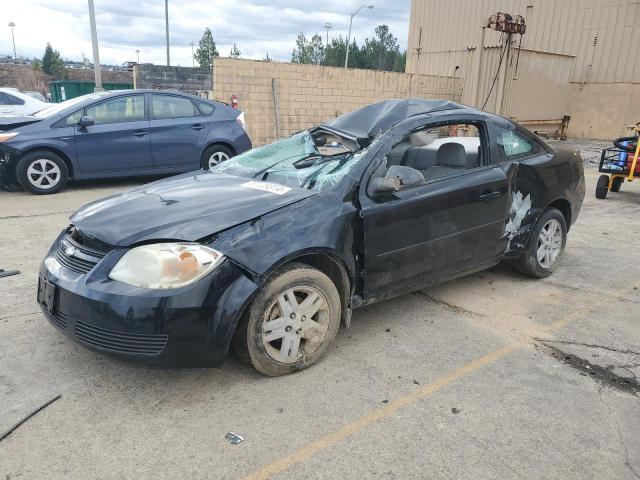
x,y
380,185
397,177
85,121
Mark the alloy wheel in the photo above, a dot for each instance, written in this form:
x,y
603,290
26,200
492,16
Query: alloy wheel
x,y
216,158
549,243
43,173
296,324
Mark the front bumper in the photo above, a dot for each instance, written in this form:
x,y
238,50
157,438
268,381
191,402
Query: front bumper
x,y
187,327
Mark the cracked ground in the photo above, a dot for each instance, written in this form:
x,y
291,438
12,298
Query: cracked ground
x,y
492,376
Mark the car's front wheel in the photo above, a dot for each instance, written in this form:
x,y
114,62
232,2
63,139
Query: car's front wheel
x,y
291,323
546,245
215,155
42,172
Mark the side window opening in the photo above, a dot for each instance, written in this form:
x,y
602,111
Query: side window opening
x,y
11,100
172,106
513,146
439,150
128,108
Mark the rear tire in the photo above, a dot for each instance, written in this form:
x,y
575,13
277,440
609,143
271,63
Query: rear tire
x,y
602,187
291,323
215,155
42,172
616,183
546,245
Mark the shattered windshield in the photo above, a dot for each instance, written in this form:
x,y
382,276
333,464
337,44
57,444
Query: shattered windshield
x,y
316,162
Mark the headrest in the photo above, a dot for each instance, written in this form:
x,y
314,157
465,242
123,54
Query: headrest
x,y
453,155
419,158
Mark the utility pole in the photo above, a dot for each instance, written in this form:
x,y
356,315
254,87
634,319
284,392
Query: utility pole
x,y
192,57
327,27
166,21
346,57
12,26
94,44
138,55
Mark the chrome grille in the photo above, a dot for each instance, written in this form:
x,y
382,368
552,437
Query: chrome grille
x,y
76,257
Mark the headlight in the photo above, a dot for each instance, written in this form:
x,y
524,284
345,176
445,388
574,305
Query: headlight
x,y
7,136
165,265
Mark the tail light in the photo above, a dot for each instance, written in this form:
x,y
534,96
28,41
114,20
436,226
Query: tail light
x,y
241,122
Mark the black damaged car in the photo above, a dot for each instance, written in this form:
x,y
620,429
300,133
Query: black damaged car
x,y
273,248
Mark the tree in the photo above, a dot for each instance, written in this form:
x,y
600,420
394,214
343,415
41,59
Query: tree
x,y
400,62
308,51
36,64
267,58
235,53
206,51
382,50
52,63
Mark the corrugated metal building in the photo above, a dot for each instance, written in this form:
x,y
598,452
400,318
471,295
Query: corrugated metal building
x,y
578,57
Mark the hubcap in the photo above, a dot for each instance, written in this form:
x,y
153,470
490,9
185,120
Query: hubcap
x,y
43,173
216,158
549,243
296,324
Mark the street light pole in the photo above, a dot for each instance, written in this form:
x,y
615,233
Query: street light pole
x,y
192,57
346,57
166,21
12,26
94,44
138,55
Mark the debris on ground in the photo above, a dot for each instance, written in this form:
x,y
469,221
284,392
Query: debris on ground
x,y
385,401
8,273
455,410
233,438
24,419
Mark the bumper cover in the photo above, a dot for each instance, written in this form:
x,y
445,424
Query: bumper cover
x,y
187,327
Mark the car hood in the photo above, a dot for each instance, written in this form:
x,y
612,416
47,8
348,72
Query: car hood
x,y
187,207
14,121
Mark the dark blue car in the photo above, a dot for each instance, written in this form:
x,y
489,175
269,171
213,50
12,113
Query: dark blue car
x,y
116,134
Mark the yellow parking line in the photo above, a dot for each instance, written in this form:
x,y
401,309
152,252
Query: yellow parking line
x,y
333,438
389,409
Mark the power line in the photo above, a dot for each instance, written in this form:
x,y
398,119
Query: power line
x,y
502,52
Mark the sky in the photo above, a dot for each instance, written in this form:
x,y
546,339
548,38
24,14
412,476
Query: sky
x,y
257,27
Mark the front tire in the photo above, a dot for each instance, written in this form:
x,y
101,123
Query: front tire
x,y
546,245
214,155
291,322
602,187
42,172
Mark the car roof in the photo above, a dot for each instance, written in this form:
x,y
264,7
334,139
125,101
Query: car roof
x,y
369,121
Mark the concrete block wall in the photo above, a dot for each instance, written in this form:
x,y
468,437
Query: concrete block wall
x,y
311,94
184,79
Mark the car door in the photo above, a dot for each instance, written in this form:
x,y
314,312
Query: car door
x,y
451,223
178,132
119,140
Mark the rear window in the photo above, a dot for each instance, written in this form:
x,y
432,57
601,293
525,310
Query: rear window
x,y
206,108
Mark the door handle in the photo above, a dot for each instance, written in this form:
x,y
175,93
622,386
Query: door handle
x,y
139,133
485,197
197,126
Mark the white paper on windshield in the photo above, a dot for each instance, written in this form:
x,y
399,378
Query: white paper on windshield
x,y
267,187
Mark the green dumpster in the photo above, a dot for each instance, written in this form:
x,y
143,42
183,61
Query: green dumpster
x,y
61,90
